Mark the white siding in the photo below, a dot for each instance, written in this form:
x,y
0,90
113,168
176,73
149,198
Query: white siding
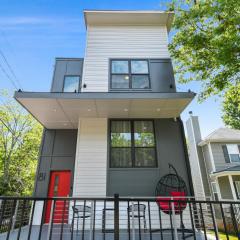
x,y
91,158
105,42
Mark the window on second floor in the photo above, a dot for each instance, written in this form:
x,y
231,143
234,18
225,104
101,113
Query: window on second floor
x,y
71,83
129,74
233,152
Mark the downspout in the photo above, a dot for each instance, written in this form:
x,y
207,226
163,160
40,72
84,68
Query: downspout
x,y
186,157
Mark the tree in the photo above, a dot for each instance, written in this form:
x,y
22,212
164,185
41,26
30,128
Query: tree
x,y
20,137
206,45
231,107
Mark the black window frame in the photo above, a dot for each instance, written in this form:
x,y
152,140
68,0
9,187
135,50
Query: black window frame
x,y
129,74
132,147
79,82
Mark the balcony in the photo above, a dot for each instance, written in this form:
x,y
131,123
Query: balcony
x,y
116,218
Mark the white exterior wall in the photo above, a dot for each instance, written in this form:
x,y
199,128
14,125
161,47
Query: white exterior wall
x,y
91,158
106,42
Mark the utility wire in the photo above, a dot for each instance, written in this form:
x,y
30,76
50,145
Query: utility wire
x,y
6,74
10,68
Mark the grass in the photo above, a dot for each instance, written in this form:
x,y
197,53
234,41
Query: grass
x,y
222,236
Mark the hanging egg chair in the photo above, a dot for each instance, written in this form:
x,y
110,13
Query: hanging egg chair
x,y
171,186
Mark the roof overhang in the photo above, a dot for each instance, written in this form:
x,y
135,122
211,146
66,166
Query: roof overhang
x,y
98,17
63,110
225,173
225,141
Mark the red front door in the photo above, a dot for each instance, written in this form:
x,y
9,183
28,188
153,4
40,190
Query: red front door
x,y
59,186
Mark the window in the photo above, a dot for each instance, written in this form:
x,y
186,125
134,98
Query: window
x,y
132,144
130,74
233,152
71,84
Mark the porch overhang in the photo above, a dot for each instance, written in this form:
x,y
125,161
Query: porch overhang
x,y
235,170
63,110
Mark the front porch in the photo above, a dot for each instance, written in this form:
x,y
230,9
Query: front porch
x,y
227,184
110,218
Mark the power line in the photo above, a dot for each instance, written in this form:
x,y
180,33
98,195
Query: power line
x,y
6,74
10,68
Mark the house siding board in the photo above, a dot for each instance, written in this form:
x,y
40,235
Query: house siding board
x,y
58,153
65,67
225,188
106,42
218,156
142,182
207,159
91,158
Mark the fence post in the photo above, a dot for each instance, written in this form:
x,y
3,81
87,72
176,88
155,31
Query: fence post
x,y
116,216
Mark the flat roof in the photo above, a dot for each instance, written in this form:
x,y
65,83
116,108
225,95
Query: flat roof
x,y
63,110
100,17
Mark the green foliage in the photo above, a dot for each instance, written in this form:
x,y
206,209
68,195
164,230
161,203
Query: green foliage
x,y
231,107
20,137
206,46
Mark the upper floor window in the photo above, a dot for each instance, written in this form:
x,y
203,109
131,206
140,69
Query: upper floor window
x,y
132,144
129,74
233,152
71,83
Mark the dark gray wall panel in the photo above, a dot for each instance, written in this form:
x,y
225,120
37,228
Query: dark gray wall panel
x,y
65,67
57,153
162,77
65,143
142,182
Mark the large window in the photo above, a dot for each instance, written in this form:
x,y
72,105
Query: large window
x,y
71,84
132,144
233,152
129,74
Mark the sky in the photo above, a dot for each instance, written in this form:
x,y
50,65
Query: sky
x,y
34,32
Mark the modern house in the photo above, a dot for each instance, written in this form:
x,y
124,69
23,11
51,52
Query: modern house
x,y
215,161
112,119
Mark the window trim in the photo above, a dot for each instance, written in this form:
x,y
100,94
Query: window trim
x,y
132,147
79,82
130,88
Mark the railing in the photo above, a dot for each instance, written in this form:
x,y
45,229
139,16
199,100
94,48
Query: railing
x,y
117,218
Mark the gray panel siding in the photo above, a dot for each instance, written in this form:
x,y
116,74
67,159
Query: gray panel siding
x,y
162,77
142,182
218,156
65,67
58,153
225,188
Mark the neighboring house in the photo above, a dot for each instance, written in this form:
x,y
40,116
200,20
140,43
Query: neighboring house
x,y
112,120
215,161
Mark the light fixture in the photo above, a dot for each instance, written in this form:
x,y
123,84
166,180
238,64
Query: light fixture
x,y
54,110
126,77
158,109
125,110
65,124
89,109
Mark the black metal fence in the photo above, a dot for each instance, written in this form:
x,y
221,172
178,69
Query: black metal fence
x,y
117,218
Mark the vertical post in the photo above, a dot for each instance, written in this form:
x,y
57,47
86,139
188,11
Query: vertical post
x,y
232,188
133,222
15,216
174,219
116,216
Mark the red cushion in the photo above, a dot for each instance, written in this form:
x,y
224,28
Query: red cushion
x,y
166,206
